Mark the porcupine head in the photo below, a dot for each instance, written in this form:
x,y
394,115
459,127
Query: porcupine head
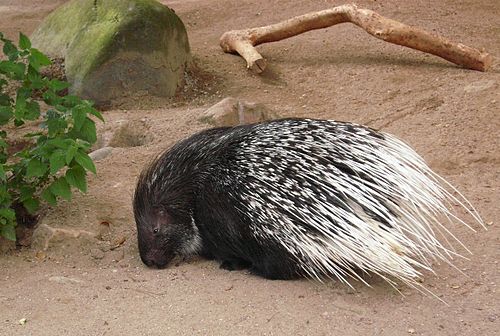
x,y
165,226
164,200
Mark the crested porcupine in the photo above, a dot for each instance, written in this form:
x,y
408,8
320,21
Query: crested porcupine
x,y
296,197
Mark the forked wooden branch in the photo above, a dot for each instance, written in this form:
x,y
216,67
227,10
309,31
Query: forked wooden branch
x,y
243,42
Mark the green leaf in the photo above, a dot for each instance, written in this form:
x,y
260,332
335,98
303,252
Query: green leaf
x,y
56,125
51,98
9,231
18,122
4,99
57,161
36,168
10,50
8,223
31,204
22,94
72,101
32,110
58,85
2,173
24,41
10,67
26,192
70,154
60,187
5,114
79,117
35,78
88,131
48,196
37,59
8,213
76,177
59,143
96,113
85,161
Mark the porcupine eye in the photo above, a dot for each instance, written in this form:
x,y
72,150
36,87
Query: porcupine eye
x,y
162,224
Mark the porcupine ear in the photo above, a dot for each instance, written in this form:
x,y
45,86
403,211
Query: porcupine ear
x,y
163,214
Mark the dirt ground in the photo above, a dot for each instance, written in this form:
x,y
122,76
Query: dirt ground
x,y
83,285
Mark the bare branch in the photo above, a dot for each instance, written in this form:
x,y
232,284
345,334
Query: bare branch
x,y
244,41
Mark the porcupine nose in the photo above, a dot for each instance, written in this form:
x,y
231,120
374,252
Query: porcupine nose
x,y
148,262
154,263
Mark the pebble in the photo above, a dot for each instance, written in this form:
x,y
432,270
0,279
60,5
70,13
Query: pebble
x,y
479,86
64,280
100,153
97,253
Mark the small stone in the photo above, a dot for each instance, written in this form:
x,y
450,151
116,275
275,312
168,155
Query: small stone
x,y
123,264
231,112
479,86
64,280
117,255
117,242
40,255
100,153
97,253
411,331
45,237
130,133
23,321
492,318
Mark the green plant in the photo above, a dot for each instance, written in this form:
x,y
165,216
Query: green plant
x,y
53,157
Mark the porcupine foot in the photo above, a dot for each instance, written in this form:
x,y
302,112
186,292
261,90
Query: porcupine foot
x,y
234,264
273,270
268,269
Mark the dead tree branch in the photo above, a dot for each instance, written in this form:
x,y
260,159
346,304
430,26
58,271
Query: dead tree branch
x,y
244,41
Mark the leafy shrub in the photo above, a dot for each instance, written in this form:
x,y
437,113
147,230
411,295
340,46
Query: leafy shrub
x,y
53,158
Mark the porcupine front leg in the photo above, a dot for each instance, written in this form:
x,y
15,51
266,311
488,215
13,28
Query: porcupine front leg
x,y
218,224
275,265
234,264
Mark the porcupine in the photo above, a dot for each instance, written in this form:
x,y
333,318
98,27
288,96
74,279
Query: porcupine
x,y
296,198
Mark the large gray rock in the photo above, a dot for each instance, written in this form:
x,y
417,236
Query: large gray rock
x,y
115,48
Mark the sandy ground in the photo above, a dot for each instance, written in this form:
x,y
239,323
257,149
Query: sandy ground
x,y
451,116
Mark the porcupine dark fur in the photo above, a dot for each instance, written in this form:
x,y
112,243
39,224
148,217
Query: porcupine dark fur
x,y
296,198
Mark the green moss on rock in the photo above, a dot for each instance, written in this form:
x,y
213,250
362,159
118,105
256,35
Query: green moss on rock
x,y
114,48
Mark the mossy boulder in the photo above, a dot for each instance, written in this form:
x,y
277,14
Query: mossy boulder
x,y
116,48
